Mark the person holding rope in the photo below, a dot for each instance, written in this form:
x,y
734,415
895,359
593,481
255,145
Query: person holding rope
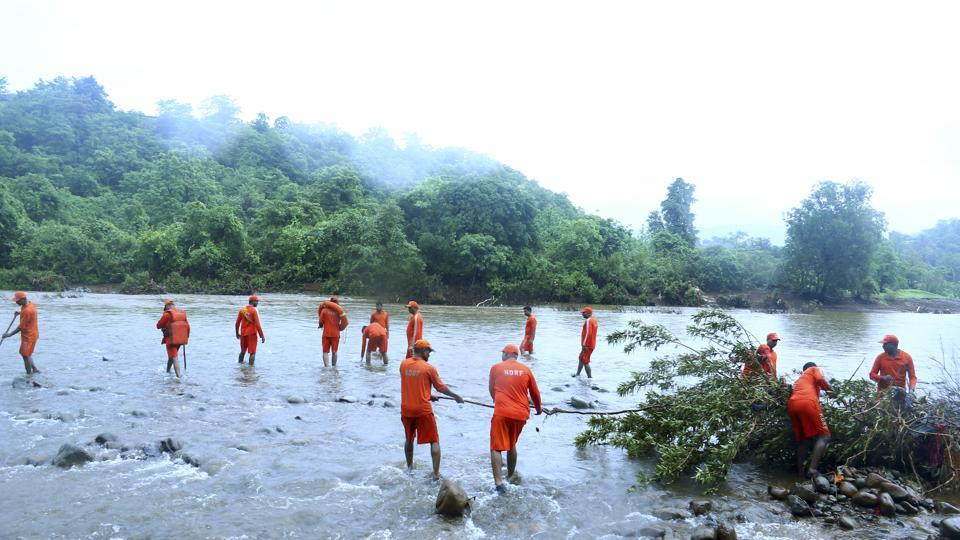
x,y
247,328
510,383
28,330
417,376
176,331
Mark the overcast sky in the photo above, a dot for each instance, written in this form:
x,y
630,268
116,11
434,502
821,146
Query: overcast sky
x,y
753,102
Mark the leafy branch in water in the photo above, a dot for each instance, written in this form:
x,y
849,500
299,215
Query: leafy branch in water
x,y
700,414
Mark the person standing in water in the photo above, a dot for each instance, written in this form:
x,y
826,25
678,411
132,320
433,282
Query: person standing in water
x,y
529,331
176,332
28,330
373,337
332,321
414,326
509,383
248,328
806,416
382,317
588,341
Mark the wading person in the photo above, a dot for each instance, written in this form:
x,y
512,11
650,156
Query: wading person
x,y
529,331
414,325
892,366
588,341
28,330
374,338
417,376
809,426
176,332
382,317
761,362
248,328
332,321
510,383
772,341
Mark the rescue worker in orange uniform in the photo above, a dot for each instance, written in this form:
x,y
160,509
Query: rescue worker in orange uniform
x,y
374,337
529,331
173,323
588,341
382,318
760,362
772,341
417,376
28,330
332,319
510,382
893,365
809,425
248,328
414,325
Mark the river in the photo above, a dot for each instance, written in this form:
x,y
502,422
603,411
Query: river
x,y
326,469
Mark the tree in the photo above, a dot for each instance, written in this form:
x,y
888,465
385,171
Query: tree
x,y
675,209
831,240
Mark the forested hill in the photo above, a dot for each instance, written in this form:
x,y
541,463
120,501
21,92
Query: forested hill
x,y
202,201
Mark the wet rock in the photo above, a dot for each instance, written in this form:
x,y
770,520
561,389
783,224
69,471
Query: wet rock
x,y
580,403
215,466
149,450
602,390
928,503
896,491
945,508
188,459
594,387
23,383
243,448
295,399
836,509
104,439
860,483
452,500
950,528
668,514
300,442
887,506
865,499
104,359
703,533
847,489
97,389
874,480
388,405
70,455
700,507
908,508
138,413
297,417
777,493
798,506
557,389
63,392
170,445
280,429
65,417
651,531
847,523
725,531
347,399
805,491
821,484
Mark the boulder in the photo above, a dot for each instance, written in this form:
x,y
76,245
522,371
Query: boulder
x,y
950,528
452,500
887,506
908,508
859,482
805,491
295,399
700,507
847,489
821,484
188,459
170,445
105,439
580,403
798,506
847,523
865,499
23,383
668,514
725,531
777,493
874,480
651,531
898,492
703,533
70,455
388,405
945,508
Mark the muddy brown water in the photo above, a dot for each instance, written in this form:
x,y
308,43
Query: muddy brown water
x,y
338,471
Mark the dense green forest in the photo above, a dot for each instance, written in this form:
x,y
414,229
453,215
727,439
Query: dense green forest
x,y
203,201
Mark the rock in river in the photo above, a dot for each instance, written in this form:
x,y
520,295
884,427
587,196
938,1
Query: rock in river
x,y
847,489
945,508
700,507
847,523
887,506
347,399
170,445
798,506
821,484
295,399
22,383
950,528
725,531
805,491
580,403
104,438
777,493
452,500
874,480
70,455
865,499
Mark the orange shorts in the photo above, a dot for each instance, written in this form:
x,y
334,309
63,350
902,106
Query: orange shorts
x,y
807,419
248,343
423,427
585,355
331,343
173,351
504,433
377,344
27,346
526,345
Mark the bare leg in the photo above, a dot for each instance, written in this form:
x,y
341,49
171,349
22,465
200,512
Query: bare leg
x,y
33,367
326,359
176,366
408,451
169,364
579,368
334,358
802,455
435,455
26,365
369,354
240,358
383,356
253,357
819,447
511,462
589,372
496,463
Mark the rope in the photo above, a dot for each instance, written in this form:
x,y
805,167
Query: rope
x,y
555,410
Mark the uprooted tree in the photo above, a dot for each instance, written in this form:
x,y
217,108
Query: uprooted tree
x,y
700,415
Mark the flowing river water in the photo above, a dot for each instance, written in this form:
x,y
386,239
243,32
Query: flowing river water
x,y
329,469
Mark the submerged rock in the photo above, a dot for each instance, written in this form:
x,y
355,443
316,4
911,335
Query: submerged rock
x,y
170,445
105,439
388,405
805,491
188,459
865,499
847,523
70,455
777,493
347,399
138,413
950,528
798,506
23,383
668,514
452,500
700,507
295,399
703,533
725,531
580,403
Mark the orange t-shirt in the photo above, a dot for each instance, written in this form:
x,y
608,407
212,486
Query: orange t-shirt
x,y
770,368
382,318
897,367
330,320
530,328
588,336
414,329
510,382
808,386
164,322
416,378
29,331
248,322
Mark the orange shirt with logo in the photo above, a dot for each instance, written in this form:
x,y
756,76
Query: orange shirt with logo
x,y
510,383
248,322
330,320
417,376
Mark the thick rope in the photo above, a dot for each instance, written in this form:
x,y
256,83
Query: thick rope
x,y
555,410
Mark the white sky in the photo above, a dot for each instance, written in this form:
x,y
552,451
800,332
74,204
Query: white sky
x,y
753,102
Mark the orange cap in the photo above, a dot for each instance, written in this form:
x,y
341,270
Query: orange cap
x,y
413,303
422,344
167,302
19,295
889,338
774,336
764,349
253,298
511,348
586,310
